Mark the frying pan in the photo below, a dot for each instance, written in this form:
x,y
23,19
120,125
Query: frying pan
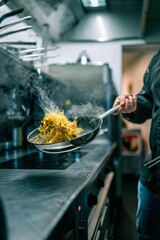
x,y
91,126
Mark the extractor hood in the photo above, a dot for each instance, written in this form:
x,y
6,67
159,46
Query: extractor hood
x,y
59,15
69,20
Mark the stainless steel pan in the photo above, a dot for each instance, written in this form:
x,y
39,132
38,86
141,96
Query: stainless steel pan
x,y
91,126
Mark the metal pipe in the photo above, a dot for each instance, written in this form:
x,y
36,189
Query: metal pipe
x,y
45,35
16,31
18,43
31,55
4,27
31,50
41,49
144,17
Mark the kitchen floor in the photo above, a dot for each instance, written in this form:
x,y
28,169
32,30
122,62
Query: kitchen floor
x,y
126,217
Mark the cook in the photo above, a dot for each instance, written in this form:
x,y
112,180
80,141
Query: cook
x,y
137,109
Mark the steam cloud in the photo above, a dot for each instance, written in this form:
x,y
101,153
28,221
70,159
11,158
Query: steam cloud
x,y
85,110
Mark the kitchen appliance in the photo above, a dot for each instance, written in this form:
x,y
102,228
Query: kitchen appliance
x,y
90,216
90,125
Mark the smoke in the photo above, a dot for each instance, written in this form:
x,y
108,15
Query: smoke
x,y
87,109
21,83
44,100
45,90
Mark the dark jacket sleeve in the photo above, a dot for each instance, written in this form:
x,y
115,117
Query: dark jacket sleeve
x,y
144,97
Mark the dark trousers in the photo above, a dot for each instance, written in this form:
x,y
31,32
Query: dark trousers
x,y
148,214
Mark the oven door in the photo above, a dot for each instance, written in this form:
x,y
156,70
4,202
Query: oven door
x,y
98,221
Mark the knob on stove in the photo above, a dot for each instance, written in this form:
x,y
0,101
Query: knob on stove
x,y
92,200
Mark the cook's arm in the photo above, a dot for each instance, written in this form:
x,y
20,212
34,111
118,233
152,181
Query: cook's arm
x,y
138,108
135,108
128,103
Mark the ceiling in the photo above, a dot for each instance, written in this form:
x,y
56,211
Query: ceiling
x,y
67,20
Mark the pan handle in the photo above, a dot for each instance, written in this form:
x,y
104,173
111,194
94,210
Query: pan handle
x,y
109,112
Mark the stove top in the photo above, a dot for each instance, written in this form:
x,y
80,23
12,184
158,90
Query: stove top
x,y
39,160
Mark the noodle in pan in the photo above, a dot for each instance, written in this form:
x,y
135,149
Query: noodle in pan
x,y
55,127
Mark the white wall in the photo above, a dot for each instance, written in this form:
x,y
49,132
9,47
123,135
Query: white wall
x,y
98,52
107,52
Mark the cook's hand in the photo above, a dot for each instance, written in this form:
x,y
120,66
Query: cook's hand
x,y
128,103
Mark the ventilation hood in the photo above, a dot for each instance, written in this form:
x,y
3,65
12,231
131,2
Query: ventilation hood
x,y
68,20
58,15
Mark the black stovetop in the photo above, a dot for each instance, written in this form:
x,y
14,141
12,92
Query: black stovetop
x,y
40,160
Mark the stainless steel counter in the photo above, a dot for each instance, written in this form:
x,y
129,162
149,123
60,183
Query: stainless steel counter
x,y
35,200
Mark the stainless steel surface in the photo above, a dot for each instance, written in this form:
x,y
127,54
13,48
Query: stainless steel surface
x,y
91,127
109,112
37,200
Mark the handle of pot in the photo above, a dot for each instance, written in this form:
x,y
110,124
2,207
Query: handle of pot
x,y
109,112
